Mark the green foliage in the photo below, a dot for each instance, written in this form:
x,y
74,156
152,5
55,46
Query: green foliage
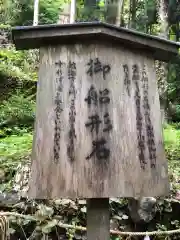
x,y
20,68
51,218
173,11
13,150
50,11
18,110
171,135
173,90
175,115
5,27
15,147
146,15
90,10
20,12
18,64
172,147
172,142
151,12
4,10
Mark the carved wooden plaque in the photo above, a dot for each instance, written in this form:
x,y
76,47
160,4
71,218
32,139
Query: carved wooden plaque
x,y
98,126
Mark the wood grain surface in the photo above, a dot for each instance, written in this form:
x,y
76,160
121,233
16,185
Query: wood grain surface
x,y
98,130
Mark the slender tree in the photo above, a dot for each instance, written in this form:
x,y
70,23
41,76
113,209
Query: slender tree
x,y
36,12
133,8
73,11
162,67
90,7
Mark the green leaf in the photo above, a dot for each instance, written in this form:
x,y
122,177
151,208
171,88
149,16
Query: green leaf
x,y
83,209
47,228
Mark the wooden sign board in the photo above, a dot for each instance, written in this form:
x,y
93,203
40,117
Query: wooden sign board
x,y
98,130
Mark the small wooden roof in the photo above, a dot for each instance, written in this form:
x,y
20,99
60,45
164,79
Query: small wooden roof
x,y
29,37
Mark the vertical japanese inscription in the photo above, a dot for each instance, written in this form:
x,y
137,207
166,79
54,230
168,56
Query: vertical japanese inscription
x,y
72,113
127,82
139,117
149,126
58,109
98,98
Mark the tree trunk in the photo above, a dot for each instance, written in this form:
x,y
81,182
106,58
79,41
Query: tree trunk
x,y
132,12
114,11
73,11
90,6
163,17
162,67
36,12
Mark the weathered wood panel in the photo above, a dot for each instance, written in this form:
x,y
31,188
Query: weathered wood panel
x,y
98,125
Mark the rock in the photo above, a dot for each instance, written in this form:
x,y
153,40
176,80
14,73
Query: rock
x,y
4,36
8,199
21,179
142,209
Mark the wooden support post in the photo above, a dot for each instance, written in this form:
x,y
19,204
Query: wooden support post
x,y
98,219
